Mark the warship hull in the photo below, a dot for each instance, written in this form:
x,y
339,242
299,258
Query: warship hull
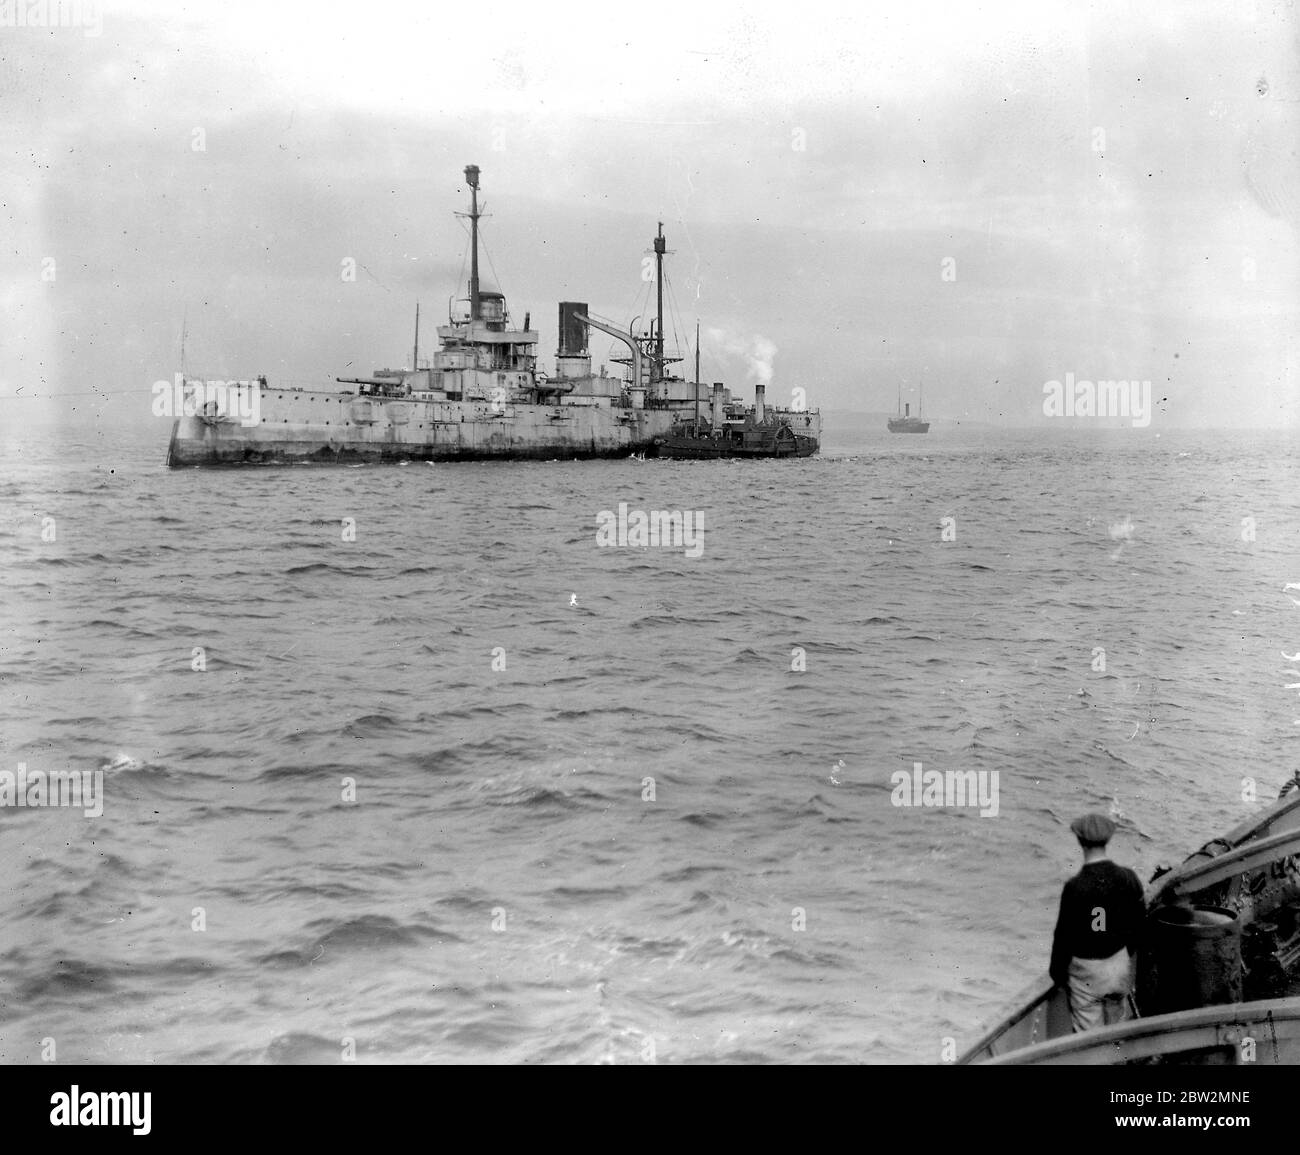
x,y
332,428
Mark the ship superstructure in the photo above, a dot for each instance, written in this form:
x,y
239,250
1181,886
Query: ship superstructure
x,y
482,395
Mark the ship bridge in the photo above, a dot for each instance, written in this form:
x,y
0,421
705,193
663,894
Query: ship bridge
x,y
481,357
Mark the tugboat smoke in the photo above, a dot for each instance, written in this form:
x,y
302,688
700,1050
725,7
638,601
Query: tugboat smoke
x,y
758,351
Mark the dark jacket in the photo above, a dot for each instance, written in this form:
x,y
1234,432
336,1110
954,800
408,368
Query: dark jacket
x,y
1102,912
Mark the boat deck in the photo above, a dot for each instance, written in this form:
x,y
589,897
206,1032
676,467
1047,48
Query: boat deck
x,y
1253,873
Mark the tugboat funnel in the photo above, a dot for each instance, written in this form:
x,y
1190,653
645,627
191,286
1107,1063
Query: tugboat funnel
x,y
759,397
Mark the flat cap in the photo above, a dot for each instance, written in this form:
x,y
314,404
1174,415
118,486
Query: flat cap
x,y
1093,829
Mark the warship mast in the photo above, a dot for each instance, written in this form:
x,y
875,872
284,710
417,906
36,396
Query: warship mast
x,y
471,175
658,365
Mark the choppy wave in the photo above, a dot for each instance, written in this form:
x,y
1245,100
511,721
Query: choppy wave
x,y
471,788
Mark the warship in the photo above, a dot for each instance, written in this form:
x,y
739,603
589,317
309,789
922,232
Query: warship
x,y
482,396
1218,968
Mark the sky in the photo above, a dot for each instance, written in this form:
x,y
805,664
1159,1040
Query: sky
x,y
860,200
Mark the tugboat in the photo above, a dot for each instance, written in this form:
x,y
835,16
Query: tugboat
x,y
482,396
756,432
905,422
1218,970
729,431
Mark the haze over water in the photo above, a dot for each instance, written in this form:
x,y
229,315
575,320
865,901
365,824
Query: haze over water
x,y
501,890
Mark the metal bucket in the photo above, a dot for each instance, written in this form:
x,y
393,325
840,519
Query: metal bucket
x,y
1196,956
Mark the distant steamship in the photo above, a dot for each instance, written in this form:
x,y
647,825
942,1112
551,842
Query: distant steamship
x,y
905,422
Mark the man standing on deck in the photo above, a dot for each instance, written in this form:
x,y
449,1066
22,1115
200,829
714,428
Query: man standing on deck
x,y
1097,930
